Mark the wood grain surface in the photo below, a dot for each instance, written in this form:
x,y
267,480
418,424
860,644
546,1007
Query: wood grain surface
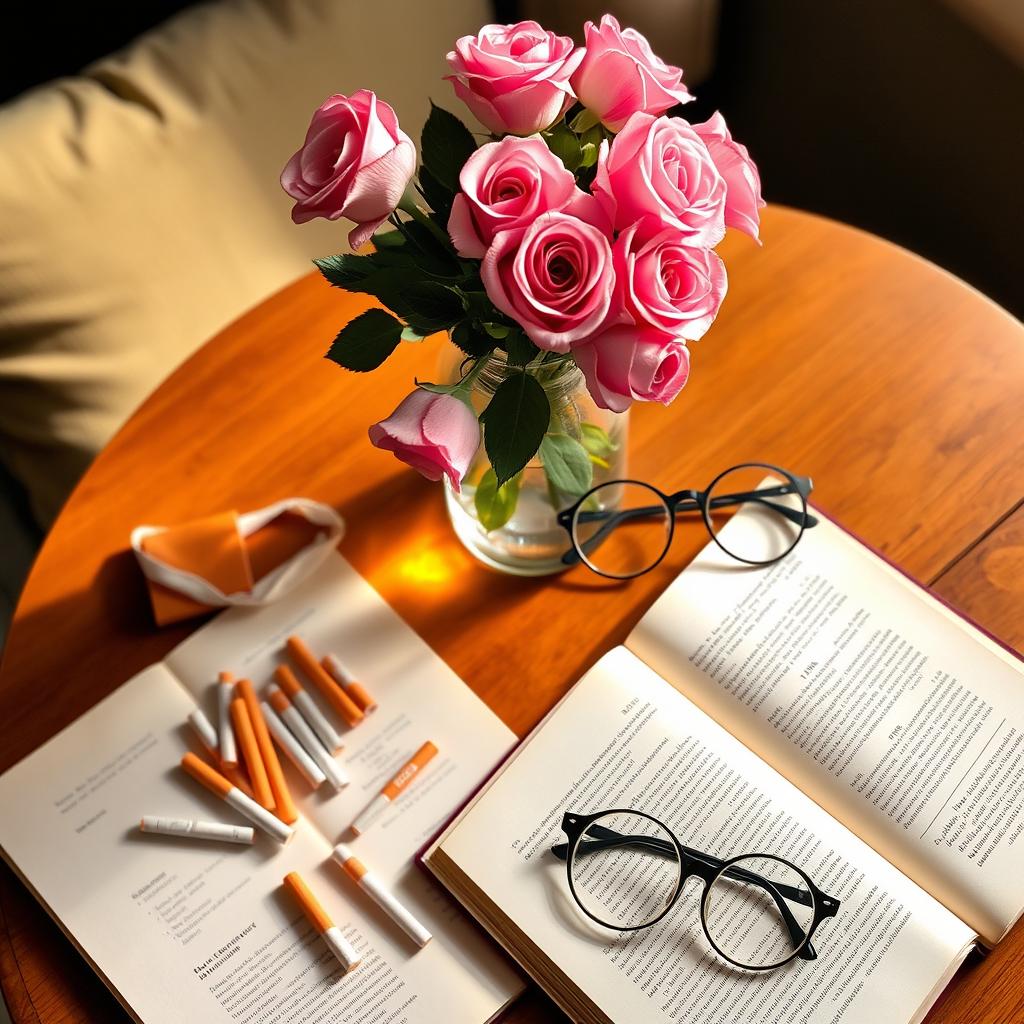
x,y
894,385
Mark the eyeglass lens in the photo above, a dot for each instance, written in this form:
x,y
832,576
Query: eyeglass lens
x,y
773,513
622,529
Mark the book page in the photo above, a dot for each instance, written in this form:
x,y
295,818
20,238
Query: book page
x,y
622,738
187,930
877,701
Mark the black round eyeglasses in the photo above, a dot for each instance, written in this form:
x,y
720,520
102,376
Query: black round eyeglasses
x,y
624,528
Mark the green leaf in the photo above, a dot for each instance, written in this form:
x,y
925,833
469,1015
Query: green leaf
x,y
479,306
446,144
520,349
495,505
594,136
564,144
496,331
366,342
432,306
345,269
468,337
423,251
393,239
597,441
588,155
426,306
438,197
514,423
583,121
408,334
566,464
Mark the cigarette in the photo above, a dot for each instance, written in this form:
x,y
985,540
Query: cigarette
x,y
307,738
403,778
284,807
359,694
246,806
381,895
207,736
308,708
339,700
225,693
305,765
189,828
318,918
246,738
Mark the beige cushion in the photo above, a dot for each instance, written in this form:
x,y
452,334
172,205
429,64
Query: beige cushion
x,y
140,205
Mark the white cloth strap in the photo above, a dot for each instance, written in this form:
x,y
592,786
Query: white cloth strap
x,y
276,583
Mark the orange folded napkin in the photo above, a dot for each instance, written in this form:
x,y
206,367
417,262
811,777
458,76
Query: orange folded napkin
x,y
231,559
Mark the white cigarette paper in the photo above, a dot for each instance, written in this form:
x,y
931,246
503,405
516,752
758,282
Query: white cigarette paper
x,y
273,826
204,731
317,720
189,828
381,895
228,750
341,948
305,765
321,755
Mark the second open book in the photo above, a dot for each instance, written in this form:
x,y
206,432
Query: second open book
x,y
825,709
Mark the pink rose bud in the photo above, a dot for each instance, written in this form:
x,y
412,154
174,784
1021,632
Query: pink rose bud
x,y
620,75
356,163
515,78
625,363
660,166
435,434
662,282
555,279
743,183
508,184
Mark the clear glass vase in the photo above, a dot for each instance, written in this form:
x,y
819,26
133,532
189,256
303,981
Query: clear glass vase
x,y
516,530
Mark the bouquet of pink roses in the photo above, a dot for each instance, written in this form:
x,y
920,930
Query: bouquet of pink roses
x,y
580,234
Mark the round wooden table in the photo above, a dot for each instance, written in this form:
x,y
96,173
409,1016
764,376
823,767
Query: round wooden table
x,y
894,385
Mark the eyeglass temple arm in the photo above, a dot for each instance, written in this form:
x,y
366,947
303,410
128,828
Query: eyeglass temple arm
x,y
606,839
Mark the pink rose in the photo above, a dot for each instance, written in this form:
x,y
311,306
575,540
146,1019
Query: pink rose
x,y
620,75
661,166
356,162
662,282
507,185
515,78
626,363
554,278
743,183
435,434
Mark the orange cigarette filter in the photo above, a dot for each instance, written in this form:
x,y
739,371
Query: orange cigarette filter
x,y
339,700
410,770
235,776
318,917
402,778
352,687
251,754
284,806
285,678
278,701
205,775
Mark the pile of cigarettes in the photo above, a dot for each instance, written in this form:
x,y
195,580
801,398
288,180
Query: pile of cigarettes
x,y
243,769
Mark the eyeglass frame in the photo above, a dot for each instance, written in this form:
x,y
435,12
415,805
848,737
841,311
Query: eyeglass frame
x,y
706,867
672,502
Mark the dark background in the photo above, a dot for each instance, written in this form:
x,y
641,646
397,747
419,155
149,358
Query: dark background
x,y
897,116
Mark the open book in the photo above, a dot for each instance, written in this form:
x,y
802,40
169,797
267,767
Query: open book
x,y
825,709
189,931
